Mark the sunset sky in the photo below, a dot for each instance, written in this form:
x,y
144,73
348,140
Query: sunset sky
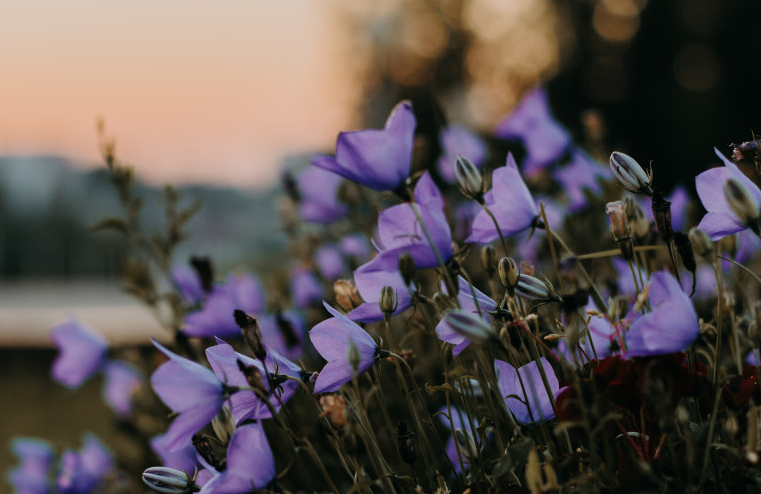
x,y
194,91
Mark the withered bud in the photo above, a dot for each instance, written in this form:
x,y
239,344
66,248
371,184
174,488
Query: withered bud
x,y
619,227
629,174
334,408
638,223
662,216
253,376
223,424
407,267
742,203
701,243
387,301
347,294
489,260
684,248
469,179
406,440
508,274
205,270
251,333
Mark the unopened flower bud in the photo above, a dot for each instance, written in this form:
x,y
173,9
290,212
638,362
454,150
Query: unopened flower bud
x,y
469,325
662,216
619,227
469,179
629,174
347,294
508,274
742,203
701,243
537,290
406,442
168,480
639,224
223,424
250,329
353,356
406,268
387,301
334,408
489,260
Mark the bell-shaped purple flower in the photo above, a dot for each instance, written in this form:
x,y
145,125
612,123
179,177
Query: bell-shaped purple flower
x,y
242,292
81,472
370,280
244,404
671,325
188,283
399,230
378,159
334,338
30,476
531,122
250,463
510,202
121,380
319,200
721,220
579,174
305,288
284,333
539,406
81,352
444,329
329,261
466,444
190,390
356,246
459,141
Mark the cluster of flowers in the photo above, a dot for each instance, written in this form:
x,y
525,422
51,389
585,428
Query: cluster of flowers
x,y
504,355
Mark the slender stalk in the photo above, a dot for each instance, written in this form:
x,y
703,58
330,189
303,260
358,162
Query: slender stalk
x,y
751,273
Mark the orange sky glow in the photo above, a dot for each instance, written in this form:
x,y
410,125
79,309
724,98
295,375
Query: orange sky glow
x,y
212,92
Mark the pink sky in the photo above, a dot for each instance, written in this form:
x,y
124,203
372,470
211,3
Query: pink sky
x,y
194,91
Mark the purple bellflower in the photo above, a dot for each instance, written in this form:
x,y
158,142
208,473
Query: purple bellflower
x,y
189,389
509,201
378,159
528,245
30,476
444,330
467,444
356,246
531,122
721,220
539,404
188,283
319,201
580,173
242,292
335,338
672,324
83,471
459,141
603,336
329,261
305,288
400,232
81,352
121,380
748,245
370,280
244,404
284,333
250,463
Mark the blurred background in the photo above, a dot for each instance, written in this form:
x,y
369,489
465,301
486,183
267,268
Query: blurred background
x,y
220,99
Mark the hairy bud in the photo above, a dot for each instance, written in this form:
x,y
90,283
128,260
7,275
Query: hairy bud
x,y
742,204
469,179
629,174
387,301
537,290
469,325
489,260
508,274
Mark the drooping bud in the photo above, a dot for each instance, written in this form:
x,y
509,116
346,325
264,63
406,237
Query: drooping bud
x,y
251,333
168,480
662,216
205,270
347,294
701,243
334,408
742,204
619,228
629,174
406,268
469,179
537,290
469,325
508,274
489,260
387,301
223,424
406,442
638,223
